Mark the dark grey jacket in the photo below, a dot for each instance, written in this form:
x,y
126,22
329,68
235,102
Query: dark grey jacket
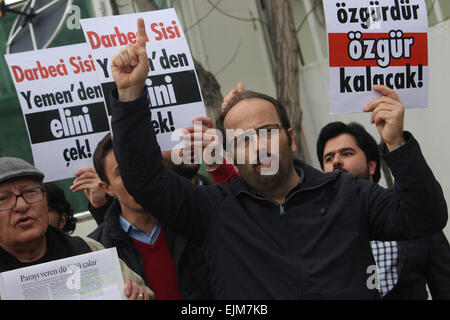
x,y
314,246
190,266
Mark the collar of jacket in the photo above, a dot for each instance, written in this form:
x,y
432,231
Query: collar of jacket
x,y
310,178
111,222
116,233
205,180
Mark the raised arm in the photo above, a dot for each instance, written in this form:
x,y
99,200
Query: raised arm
x,y
167,196
418,208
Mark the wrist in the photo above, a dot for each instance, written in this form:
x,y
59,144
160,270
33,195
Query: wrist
x,y
395,144
99,202
130,94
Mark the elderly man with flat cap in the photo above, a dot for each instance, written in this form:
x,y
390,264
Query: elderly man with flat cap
x,y
25,236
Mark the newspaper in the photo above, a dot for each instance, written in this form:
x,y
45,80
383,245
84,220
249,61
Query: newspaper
x,y
92,276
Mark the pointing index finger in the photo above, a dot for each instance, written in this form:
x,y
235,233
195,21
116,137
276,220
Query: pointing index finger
x,y
141,33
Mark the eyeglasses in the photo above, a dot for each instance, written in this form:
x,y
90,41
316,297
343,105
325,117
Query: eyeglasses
x,y
30,196
265,130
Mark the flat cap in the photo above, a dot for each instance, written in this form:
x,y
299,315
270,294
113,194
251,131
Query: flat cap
x,y
11,168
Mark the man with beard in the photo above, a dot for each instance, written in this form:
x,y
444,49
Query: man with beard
x,y
404,267
173,267
301,234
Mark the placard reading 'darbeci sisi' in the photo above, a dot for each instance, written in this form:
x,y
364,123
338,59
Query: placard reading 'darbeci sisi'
x,y
63,107
376,42
173,89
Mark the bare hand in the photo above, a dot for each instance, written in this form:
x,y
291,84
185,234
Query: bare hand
x,y
130,66
88,180
133,291
232,96
208,140
388,115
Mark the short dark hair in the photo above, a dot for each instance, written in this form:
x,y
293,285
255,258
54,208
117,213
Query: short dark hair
x,y
363,139
281,111
57,201
103,147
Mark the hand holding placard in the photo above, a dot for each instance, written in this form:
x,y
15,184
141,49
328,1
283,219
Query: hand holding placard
x,y
383,42
130,66
388,114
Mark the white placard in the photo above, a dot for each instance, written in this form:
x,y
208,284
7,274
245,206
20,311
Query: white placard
x,y
376,42
173,88
91,276
63,107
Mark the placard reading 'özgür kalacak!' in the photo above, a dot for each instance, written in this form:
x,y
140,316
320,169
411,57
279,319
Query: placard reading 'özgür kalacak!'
x,y
63,107
376,42
173,89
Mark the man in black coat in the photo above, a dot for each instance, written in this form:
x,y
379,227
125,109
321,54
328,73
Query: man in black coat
x,y
404,267
295,233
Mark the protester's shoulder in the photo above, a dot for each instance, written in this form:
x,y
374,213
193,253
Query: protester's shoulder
x,y
98,232
347,182
310,176
338,180
93,244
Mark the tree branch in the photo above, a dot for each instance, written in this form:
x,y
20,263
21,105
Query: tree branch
x,y
305,18
231,60
252,19
202,18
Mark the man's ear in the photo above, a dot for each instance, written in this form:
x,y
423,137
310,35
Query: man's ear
x,y
372,166
62,220
293,145
106,188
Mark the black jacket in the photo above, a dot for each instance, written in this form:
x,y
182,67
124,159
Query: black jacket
x,y
314,246
99,213
191,270
422,262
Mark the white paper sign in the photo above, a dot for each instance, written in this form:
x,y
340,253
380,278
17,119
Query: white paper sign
x,y
173,88
376,42
91,276
63,107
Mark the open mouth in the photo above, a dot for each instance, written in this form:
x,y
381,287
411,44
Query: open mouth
x,y
24,221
